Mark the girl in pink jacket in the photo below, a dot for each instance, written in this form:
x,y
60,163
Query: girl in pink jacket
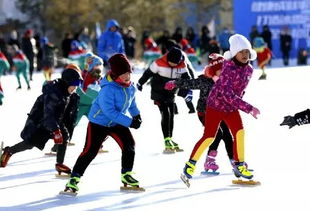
x,y
224,103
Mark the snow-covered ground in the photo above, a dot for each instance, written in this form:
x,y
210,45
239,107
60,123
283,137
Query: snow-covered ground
x,y
278,155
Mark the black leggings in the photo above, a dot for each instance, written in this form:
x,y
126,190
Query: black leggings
x,y
96,135
25,145
167,116
222,133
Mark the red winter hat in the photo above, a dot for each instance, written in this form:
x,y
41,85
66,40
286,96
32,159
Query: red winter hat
x,y
119,65
215,64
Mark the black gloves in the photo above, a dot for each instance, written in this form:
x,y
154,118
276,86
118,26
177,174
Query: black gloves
x,y
300,118
136,122
139,87
290,121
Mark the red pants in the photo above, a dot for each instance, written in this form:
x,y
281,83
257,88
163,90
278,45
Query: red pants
x,y
212,122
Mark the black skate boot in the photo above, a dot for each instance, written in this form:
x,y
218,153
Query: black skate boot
x,y
5,157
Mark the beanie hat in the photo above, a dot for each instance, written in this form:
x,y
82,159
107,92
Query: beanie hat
x,y
258,42
92,61
72,75
238,43
215,64
175,55
119,65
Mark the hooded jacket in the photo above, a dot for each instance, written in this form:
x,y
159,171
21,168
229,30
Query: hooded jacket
x,y
112,104
54,109
110,42
226,94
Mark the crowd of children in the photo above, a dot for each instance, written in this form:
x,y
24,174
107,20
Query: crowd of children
x,y
108,101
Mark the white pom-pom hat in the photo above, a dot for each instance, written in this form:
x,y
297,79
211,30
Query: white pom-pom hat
x,y
238,43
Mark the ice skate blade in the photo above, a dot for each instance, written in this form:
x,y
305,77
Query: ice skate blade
x,y
62,175
50,153
245,182
168,151
185,180
179,150
132,189
71,144
213,173
103,151
68,193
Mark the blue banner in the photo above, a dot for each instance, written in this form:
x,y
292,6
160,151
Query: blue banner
x,y
277,14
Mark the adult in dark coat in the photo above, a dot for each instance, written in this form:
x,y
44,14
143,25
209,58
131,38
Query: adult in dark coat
x,y
28,47
286,45
52,116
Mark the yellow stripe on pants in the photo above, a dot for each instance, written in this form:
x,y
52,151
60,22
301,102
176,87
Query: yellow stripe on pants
x,y
240,145
206,143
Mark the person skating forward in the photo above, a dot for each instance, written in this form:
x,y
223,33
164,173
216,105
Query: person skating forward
x,y
52,116
108,117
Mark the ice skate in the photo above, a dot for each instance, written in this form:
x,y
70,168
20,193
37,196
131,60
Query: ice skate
x,y
71,188
71,143
176,147
240,170
101,150
169,149
130,184
61,168
53,151
5,157
263,77
245,182
188,172
210,165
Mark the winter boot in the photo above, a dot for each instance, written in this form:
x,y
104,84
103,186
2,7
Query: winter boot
x,y
210,163
61,168
189,169
240,170
5,157
176,146
71,186
169,148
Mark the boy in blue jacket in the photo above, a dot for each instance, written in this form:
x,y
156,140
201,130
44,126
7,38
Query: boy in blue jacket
x,y
108,117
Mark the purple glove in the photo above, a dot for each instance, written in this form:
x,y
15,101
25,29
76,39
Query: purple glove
x,y
170,85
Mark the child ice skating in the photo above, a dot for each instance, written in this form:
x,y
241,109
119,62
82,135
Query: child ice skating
x,y
21,66
168,67
108,117
224,103
52,116
4,65
263,55
204,83
88,90
48,58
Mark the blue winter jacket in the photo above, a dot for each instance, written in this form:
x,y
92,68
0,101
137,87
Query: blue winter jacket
x,y
110,42
113,103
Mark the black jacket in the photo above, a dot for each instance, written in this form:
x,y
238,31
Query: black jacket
x,y
54,109
202,83
160,73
